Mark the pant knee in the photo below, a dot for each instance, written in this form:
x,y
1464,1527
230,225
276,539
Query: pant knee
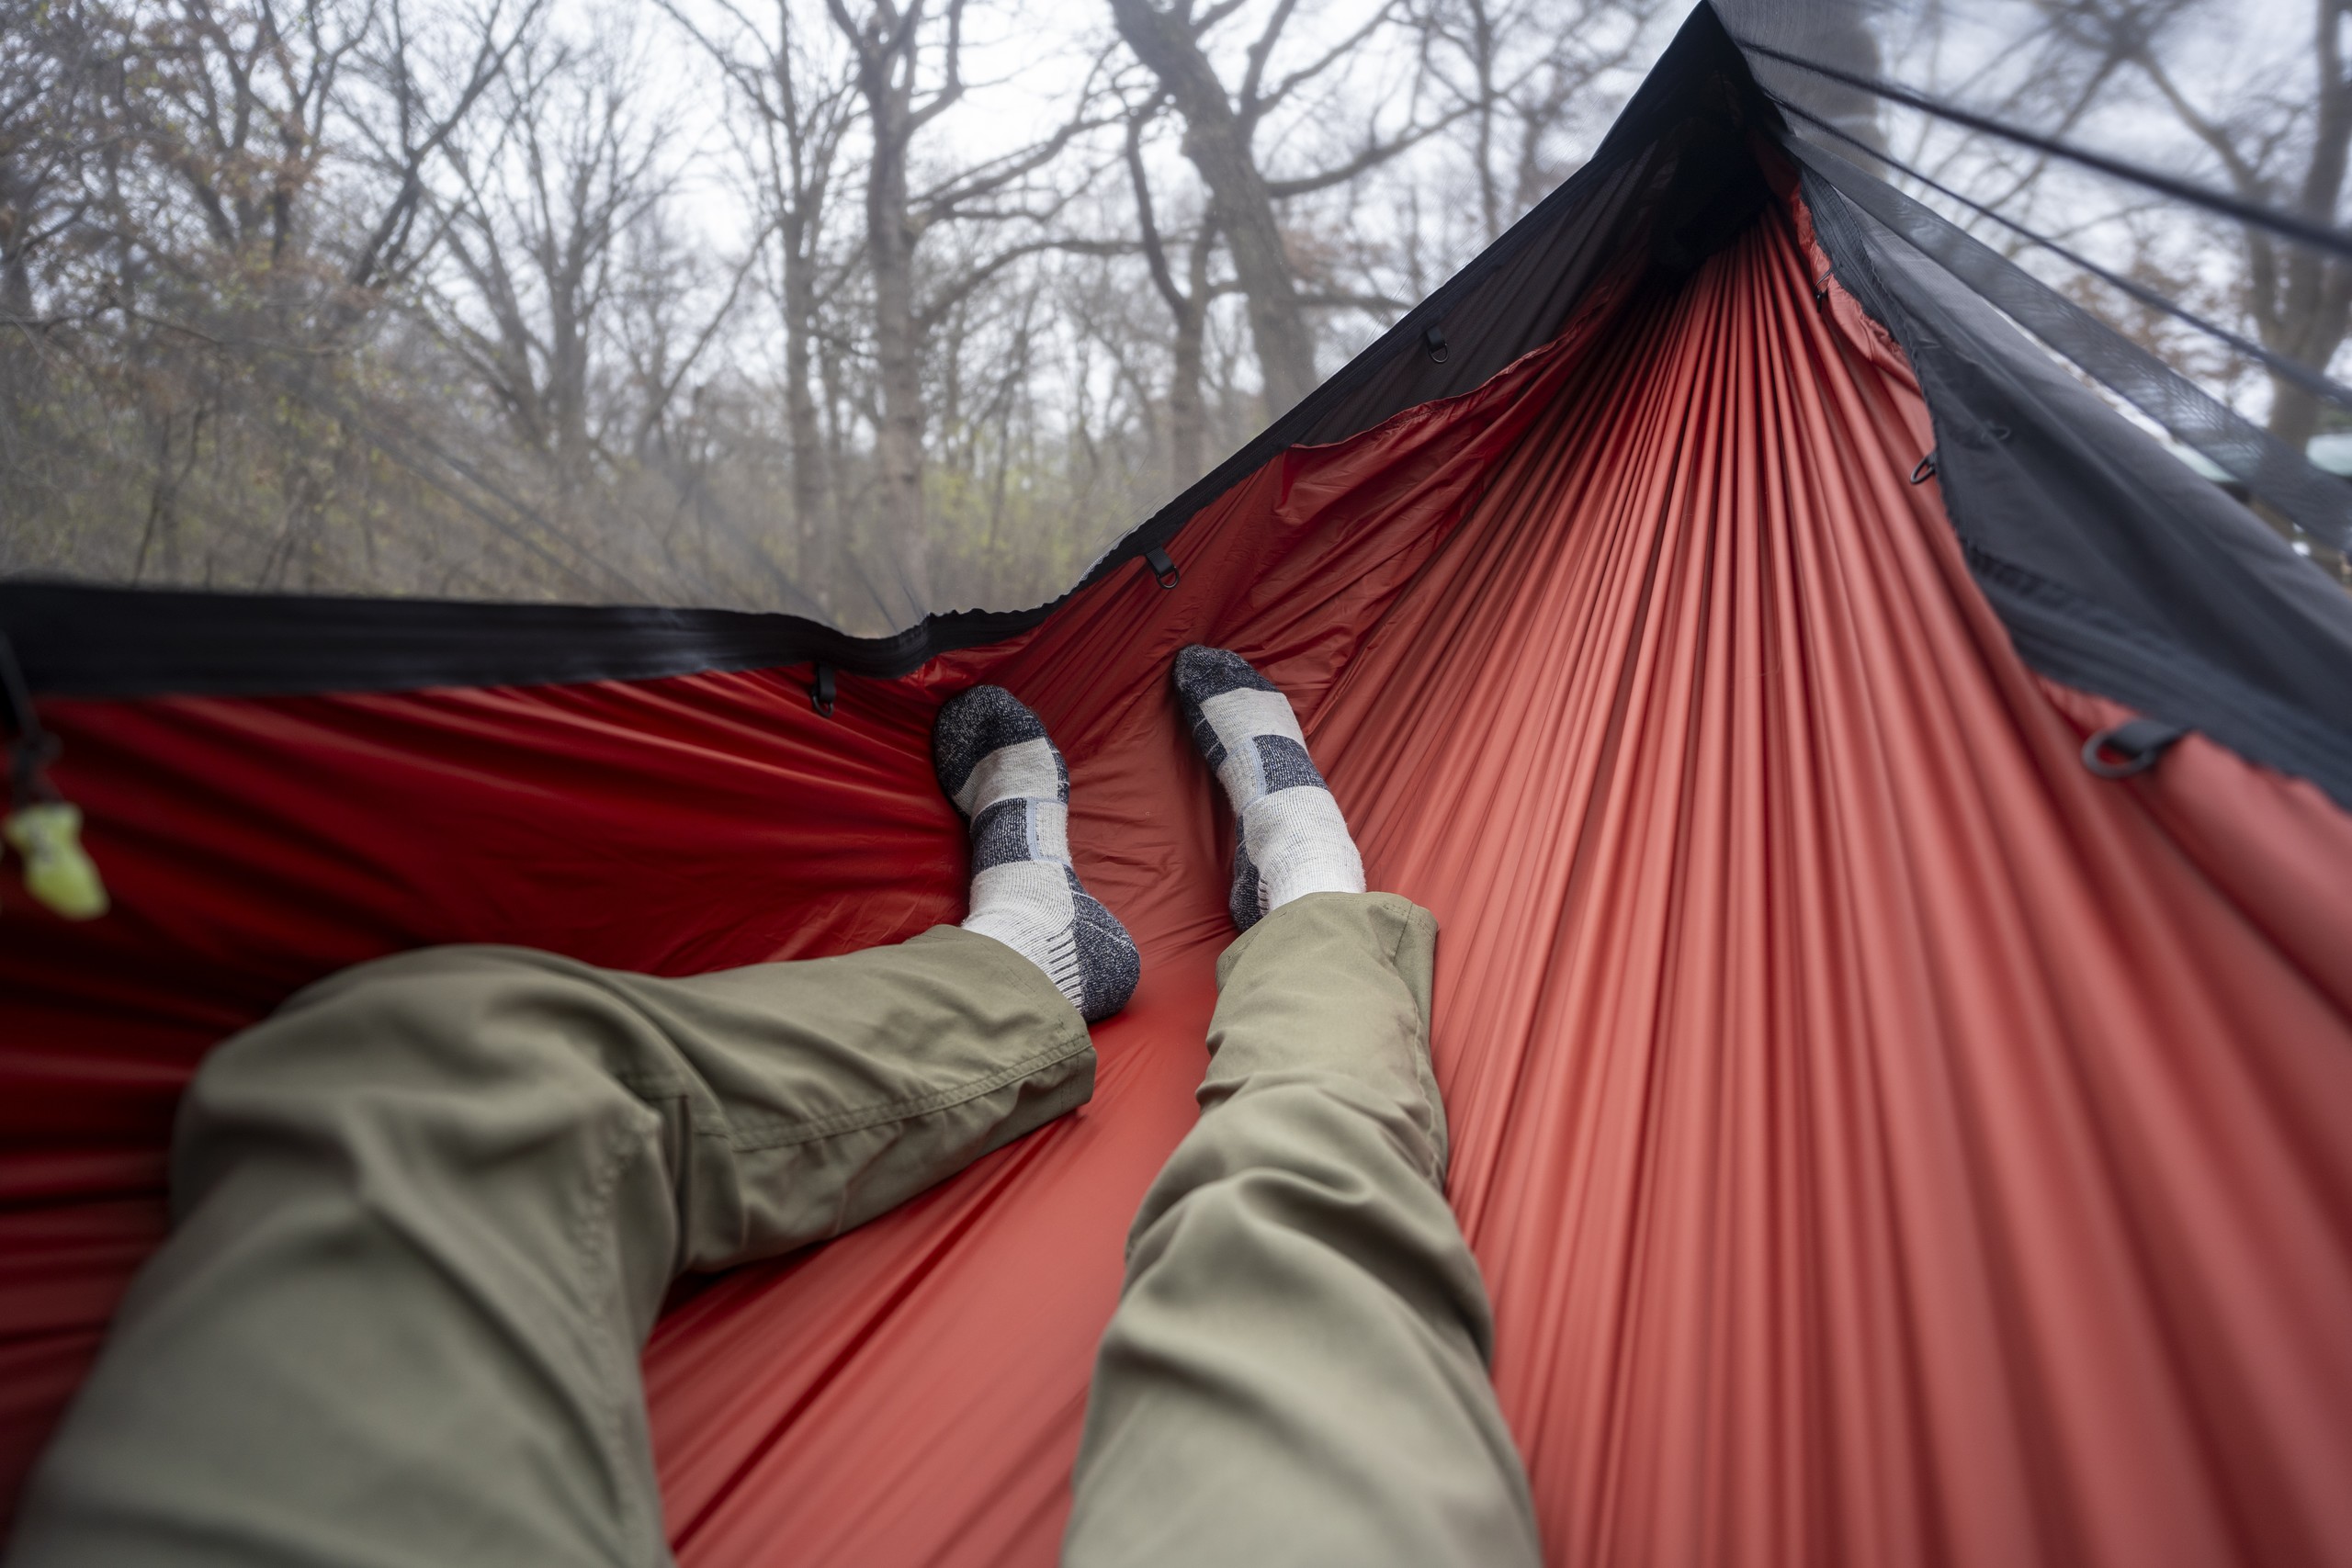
x,y
401,1057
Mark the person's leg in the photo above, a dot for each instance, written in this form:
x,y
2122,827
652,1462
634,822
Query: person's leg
x,y
426,1213
1296,1372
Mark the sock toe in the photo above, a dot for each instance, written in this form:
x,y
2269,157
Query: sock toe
x,y
1202,671
1007,778
974,725
1290,838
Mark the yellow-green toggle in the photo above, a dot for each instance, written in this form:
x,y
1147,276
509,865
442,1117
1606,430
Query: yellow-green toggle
x,y
58,871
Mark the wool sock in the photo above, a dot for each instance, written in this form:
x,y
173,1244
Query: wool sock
x,y
1290,838
996,763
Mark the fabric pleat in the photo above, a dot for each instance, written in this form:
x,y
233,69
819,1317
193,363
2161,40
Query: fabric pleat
x,y
1885,1141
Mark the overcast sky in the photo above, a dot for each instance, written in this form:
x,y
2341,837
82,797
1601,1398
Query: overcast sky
x,y
1027,60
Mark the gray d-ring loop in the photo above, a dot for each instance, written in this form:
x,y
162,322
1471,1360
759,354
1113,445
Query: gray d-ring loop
x,y
2132,747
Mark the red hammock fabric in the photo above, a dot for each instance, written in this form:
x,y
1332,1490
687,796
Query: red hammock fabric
x,y
1885,1141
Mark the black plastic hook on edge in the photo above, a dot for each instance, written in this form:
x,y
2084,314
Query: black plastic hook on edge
x,y
821,693
2132,747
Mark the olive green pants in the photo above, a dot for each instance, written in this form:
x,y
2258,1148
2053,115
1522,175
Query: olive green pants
x,y
1297,1373
425,1217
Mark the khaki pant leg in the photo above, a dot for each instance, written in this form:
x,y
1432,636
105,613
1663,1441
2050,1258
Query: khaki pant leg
x,y
1296,1372
425,1216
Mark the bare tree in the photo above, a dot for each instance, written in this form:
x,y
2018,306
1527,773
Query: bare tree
x,y
412,295
201,250
1188,303
233,103
544,198
1521,70
45,80
418,105
910,71
804,103
1222,126
2284,148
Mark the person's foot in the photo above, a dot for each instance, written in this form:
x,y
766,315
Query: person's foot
x,y
1290,838
996,763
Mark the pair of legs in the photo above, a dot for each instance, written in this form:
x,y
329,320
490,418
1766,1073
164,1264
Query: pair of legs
x,y
426,1214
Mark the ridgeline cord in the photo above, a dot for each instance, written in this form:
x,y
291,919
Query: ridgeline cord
x,y
2303,376
2320,236
2315,502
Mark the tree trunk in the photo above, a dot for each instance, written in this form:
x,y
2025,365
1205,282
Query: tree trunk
x,y
1482,43
568,399
1186,426
897,341
810,518
1217,142
19,359
2308,311
2295,413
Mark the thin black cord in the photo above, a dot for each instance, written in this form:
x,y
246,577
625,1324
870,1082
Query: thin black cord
x,y
2314,502
2303,376
18,695
35,747
2318,235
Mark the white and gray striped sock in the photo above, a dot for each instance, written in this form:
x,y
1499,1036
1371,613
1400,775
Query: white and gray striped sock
x,y
1291,840
996,763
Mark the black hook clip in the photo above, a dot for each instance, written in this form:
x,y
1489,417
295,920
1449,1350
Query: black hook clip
x,y
2132,747
821,690
1162,567
1433,339
1926,469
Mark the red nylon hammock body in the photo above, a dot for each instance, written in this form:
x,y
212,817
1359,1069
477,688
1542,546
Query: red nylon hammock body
x,y
1884,1141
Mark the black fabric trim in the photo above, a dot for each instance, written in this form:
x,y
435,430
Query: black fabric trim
x,y
82,641
112,642
2076,641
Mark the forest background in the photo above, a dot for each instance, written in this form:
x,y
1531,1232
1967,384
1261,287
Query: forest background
x,y
862,309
